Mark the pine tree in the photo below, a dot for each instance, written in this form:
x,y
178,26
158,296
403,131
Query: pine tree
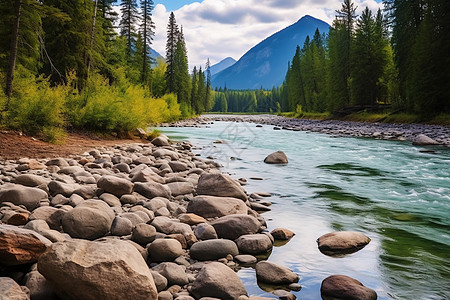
x,y
171,45
13,47
194,90
181,73
208,100
127,24
147,33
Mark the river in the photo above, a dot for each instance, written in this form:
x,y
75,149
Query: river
x,y
395,193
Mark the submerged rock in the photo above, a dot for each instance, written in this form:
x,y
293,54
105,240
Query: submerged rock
x,y
342,242
271,273
278,157
341,287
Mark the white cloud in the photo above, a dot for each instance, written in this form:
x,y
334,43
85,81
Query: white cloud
x,y
216,29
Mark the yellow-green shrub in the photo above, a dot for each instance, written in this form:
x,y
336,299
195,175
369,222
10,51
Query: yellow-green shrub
x,y
34,105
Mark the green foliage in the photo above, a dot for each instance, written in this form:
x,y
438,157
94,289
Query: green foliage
x,y
34,105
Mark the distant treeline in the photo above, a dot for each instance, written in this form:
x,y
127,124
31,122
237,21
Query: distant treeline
x,y
400,57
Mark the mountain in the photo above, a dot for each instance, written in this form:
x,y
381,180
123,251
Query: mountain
x,y
222,65
154,54
266,64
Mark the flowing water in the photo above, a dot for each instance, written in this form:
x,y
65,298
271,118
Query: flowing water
x,y
390,191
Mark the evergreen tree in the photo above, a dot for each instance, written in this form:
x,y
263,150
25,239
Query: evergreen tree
x,y
181,73
207,99
147,33
108,17
194,90
171,46
127,24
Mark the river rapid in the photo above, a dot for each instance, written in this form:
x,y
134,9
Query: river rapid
x,y
395,193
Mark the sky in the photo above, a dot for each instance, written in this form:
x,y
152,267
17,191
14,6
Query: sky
x,y
217,29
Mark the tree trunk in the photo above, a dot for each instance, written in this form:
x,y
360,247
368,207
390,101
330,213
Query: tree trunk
x,y
91,46
13,50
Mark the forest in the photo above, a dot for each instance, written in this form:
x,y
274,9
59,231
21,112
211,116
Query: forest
x,y
65,65
397,58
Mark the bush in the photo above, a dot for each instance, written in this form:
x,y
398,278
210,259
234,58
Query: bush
x,y
34,105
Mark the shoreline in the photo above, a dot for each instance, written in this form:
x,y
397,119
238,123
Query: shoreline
x,y
157,197
383,131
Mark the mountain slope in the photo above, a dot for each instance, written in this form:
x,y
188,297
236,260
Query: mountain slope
x,y
222,65
266,63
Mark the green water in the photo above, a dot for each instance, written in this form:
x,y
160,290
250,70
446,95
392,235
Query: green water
x,y
390,191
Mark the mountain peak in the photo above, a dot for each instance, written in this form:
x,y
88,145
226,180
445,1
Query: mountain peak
x,y
266,63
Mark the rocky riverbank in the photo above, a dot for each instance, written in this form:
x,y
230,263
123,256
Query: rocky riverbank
x,y
420,134
139,221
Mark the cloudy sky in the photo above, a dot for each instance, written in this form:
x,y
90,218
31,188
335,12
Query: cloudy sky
x,y
216,29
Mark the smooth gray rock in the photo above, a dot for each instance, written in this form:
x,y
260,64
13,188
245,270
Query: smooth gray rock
x,y
205,231
115,185
111,200
233,226
105,270
10,290
53,216
423,140
282,234
146,175
178,166
151,190
211,206
175,274
66,189
121,226
220,185
163,250
271,273
342,242
40,288
213,249
254,244
180,188
90,220
31,180
278,157
245,259
21,195
342,287
160,141
218,281
143,234
160,281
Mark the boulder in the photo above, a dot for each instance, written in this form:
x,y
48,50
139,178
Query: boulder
x,y
115,185
151,190
90,220
220,185
146,175
160,141
205,231
268,272
191,219
111,200
166,153
278,157
10,290
340,287
29,197
160,281
282,234
175,274
233,226
65,189
20,246
60,162
81,269
213,249
31,180
342,242
211,206
180,188
218,281
423,140
245,259
254,244
162,250
121,226
169,226
40,288
178,166
51,215
143,234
